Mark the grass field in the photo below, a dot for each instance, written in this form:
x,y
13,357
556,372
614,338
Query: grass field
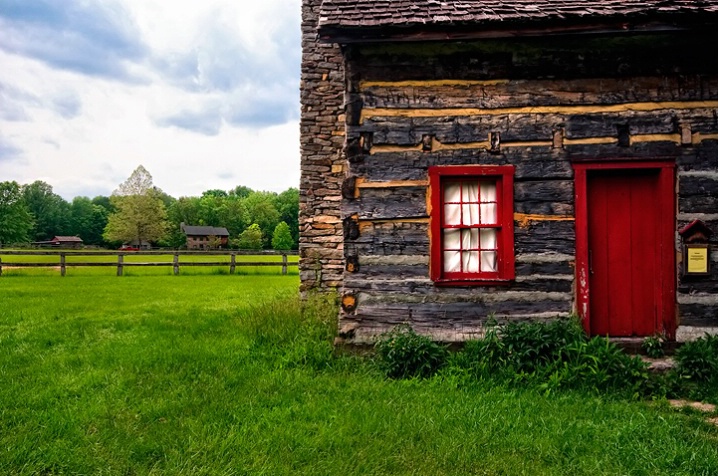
x,y
226,375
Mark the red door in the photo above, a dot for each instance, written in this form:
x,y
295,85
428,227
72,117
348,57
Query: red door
x,y
629,219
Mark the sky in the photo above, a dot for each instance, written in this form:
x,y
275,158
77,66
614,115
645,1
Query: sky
x,y
203,93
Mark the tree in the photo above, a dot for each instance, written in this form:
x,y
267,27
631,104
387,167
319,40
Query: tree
x,y
251,238
240,191
263,212
282,237
87,220
15,219
50,211
287,204
140,212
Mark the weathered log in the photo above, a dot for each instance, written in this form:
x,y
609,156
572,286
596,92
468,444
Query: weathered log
x,y
553,236
698,194
382,203
627,56
544,92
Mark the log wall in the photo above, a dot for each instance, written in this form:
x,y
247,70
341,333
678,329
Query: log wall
x,y
552,101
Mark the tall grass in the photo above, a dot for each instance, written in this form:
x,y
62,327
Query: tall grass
x,y
234,375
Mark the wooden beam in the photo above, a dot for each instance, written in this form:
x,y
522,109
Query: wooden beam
x,y
431,83
524,219
367,223
484,145
368,113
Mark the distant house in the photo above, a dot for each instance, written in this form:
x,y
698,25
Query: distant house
x,y
135,245
62,242
205,237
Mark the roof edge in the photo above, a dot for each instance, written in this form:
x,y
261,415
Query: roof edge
x,y
473,31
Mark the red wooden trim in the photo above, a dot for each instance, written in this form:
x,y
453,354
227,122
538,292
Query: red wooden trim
x,y
667,281
582,270
505,196
668,261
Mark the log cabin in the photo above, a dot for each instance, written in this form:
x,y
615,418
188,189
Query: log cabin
x,y
511,160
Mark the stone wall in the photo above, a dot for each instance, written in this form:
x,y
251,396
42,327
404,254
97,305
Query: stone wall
x,y
321,261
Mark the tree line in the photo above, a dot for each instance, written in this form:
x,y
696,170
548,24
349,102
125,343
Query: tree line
x,y
139,212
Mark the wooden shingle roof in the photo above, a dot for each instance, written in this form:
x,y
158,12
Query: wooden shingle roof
x,y
73,239
365,18
204,230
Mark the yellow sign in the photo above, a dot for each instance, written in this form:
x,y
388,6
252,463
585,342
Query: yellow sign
x,y
697,260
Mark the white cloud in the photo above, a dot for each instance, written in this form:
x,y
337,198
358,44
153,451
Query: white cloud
x,y
206,98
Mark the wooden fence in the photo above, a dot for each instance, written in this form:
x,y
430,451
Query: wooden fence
x,y
120,264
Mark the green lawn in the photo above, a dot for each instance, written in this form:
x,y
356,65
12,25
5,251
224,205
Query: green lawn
x,y
226,375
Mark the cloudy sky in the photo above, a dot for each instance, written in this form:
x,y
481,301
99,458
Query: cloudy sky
x,y
203,93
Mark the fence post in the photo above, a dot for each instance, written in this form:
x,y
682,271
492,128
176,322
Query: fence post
x,y
62,264
232,263
0,265
175,263
284,263
120,260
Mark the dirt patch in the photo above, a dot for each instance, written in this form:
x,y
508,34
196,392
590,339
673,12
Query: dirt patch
x,y
700,406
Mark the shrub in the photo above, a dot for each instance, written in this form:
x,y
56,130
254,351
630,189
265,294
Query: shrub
x,y
553,355
698,360
653,346
251,238
402,353
282,237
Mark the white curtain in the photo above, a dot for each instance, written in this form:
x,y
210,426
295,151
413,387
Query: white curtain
x,y
488,203
469,249
488,242
452,211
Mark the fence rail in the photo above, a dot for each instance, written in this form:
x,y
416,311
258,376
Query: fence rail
x,y
120,264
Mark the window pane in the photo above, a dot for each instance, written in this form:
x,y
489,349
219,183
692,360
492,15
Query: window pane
x,y
488,214
452,261
470,239
470,261
452,239
488,239
452,192
452,214
488,191
470,192
488,261
470,214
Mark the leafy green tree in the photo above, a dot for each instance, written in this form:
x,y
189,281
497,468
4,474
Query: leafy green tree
x,y
282,237
87,220
251,239
50,211
287,204
15,219
240,191
262,211
215,193
104,202
140,212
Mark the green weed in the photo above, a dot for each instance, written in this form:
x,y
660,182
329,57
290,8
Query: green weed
x,y
402,353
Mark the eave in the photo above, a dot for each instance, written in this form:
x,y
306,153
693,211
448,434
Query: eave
x,y
465,32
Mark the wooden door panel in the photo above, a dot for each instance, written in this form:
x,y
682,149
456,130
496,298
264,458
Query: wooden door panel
x,y
624,249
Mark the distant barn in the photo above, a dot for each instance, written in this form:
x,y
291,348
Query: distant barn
x,y
511,159
205,237
62,242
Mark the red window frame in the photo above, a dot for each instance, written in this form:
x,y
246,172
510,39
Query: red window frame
x,y
504,178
